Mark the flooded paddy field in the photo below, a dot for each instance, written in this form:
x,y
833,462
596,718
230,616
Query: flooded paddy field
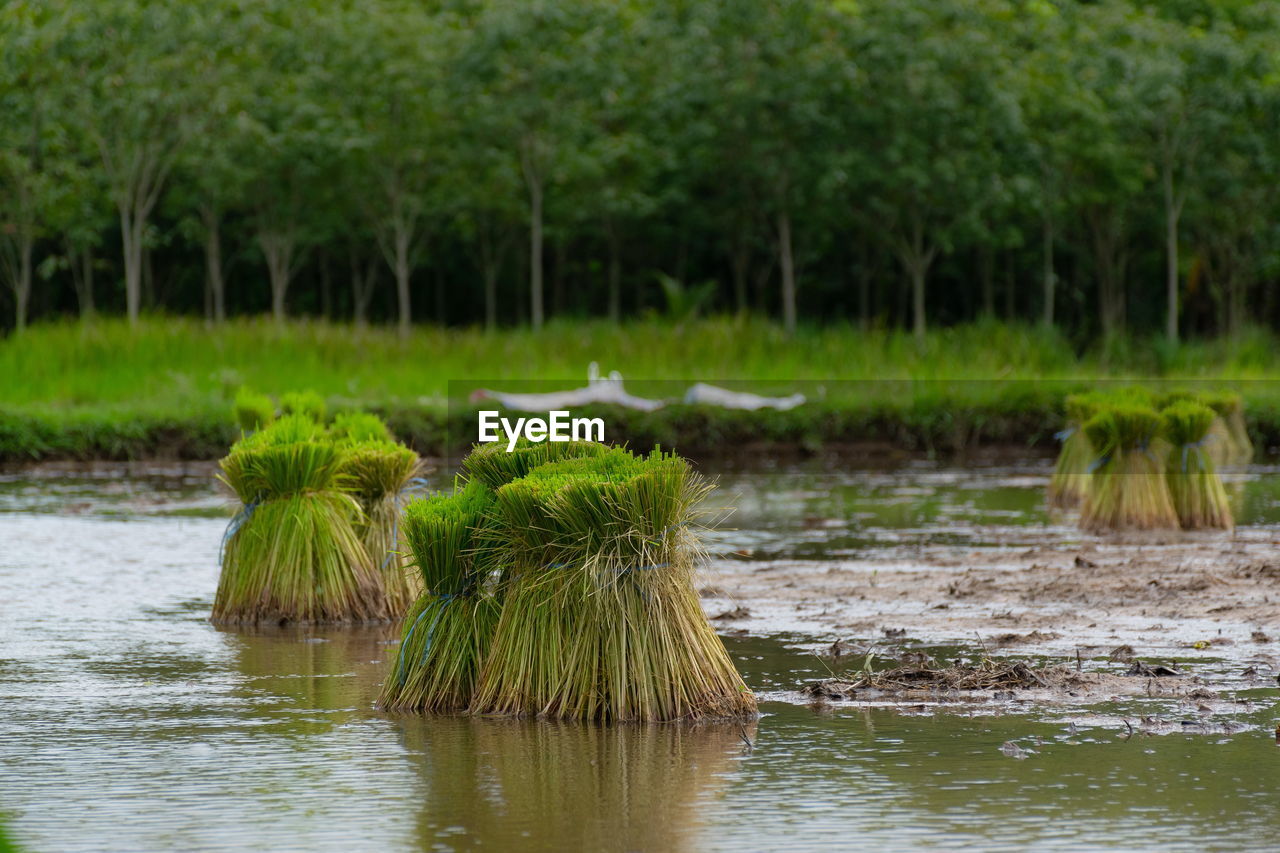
x,y
127,721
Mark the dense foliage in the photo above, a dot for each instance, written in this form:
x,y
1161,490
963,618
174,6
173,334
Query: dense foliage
x,y
895,162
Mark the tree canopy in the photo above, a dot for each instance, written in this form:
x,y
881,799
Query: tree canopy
x,y
1099,167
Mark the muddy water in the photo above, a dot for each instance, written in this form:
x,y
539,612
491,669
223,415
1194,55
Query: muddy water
x,y
127,722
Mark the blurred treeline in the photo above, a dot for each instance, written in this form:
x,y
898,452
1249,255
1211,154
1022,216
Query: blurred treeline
x,y
1101,167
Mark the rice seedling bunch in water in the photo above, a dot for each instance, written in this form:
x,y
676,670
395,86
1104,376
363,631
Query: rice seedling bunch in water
x,y
1229,436
359,426
307,403
380,472
1166,398
1194,485
494,466
1127,486
449,627
1070,478
253,411
600,619
293,553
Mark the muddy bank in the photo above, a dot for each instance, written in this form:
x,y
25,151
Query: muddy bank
x,y
1102,602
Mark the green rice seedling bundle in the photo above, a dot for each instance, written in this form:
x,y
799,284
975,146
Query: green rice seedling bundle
x,y
380,472
1070,478
359,426
293,553
600,619
307,403
1229,436
494,466
1127,486
1194,485
448,630
253,411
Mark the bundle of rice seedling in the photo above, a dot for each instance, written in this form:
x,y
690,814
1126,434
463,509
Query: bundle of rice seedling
x,y
359,426
253,411
1194,486
1229,436
380,472
292,554
495,466
1070,478
448,630
1127,487
307,403
600,619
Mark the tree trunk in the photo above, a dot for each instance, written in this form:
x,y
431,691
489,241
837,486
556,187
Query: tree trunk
x,y
326,287
533,181
213,262
561,262
916,258
131,245
864,289
148,279
788,273
615,276
22,291
917,271
439,277
1106,228
741,258
490,296
535,255
85,289
278,249
402,239
1172,211
1010,287
1047,272
362,281
986,275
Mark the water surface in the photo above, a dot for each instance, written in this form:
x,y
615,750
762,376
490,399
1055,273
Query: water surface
x,y
128,722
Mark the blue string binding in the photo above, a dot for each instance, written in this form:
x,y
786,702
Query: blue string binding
x,y
445,598
237,521
1186,449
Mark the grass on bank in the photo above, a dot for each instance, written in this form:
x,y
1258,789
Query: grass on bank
x,y
167,387
179,361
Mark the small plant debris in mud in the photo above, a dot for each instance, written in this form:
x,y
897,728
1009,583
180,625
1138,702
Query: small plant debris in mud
x,y
986,675
915,674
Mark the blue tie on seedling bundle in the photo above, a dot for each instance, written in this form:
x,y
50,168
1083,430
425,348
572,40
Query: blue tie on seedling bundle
x,y
445,599
237,521
1064,434
1186,449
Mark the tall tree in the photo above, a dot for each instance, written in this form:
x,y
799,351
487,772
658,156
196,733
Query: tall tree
x,y
143,67
939,111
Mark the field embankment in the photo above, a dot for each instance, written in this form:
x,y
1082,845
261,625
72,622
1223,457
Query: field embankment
x,y
164,389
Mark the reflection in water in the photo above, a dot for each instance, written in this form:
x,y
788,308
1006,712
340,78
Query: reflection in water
x,y
531,785
328,674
